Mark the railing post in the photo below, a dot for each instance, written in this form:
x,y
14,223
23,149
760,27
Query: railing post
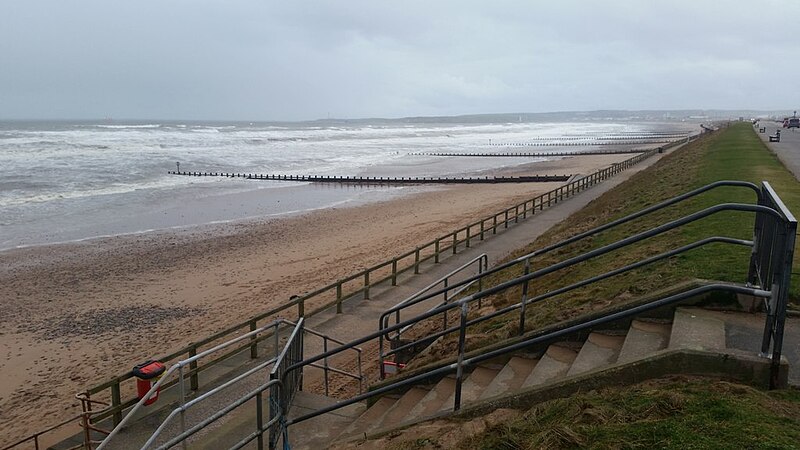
x,y
494,224
194,379
523,302
461,347
301,308
455,242
116,401
468,235
394,272
182,401
325,362
339,298
416,261
516,214
505,222
436,250
366,285
482,228
260,421
254,338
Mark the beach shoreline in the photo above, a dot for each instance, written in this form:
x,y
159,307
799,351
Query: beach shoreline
x,y
74,314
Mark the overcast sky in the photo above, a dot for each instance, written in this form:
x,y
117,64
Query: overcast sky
x,y
296,60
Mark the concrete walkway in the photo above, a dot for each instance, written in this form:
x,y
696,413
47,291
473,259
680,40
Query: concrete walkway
x,y
788,149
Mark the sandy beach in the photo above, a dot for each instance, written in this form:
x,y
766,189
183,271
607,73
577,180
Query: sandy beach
x,y
73,314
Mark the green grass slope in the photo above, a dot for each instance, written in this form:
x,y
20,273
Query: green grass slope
x,y
735,153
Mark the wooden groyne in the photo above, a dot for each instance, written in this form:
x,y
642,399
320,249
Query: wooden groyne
x,y
579,143
535,154
379,180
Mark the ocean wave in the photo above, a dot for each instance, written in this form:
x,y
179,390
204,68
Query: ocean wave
x,y
122,127
120,188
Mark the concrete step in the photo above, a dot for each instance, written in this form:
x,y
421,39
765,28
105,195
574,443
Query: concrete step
x,y
554,364
473,386
645,337
399,410
600,349
369,417
326,425
692,329
435,398
510,377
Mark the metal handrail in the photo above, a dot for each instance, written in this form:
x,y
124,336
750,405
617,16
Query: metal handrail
x,y
178,367
184,406
196,400
552,268
550,336
579,284
592,232
221,413
383,321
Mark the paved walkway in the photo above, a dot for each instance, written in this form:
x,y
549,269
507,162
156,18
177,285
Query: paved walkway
x,y
788,149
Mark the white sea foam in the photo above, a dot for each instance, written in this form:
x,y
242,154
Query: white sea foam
x,y
57,177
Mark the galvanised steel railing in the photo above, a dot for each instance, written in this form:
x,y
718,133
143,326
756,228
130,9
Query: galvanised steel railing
x,y
482,261
282,394
773,267
525,260
286,356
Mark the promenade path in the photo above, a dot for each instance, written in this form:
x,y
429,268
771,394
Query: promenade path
x,y
788,149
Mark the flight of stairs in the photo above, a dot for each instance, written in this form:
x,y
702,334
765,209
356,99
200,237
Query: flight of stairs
x,y
688,329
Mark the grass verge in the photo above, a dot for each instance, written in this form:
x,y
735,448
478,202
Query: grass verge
x,y
668,413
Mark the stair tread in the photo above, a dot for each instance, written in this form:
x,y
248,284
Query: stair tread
x,y
510,377
599,350
399,409
691,329
435,398
644,338
472,387
365,420
555,363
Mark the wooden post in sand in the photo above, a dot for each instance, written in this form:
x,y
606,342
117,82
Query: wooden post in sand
x,y
254,345
394,272
116,400
194,379
339,298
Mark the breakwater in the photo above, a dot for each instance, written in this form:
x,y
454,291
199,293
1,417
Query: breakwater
x,y
379,180
532,154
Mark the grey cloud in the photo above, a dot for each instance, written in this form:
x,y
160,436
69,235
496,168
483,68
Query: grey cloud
x,y
248,59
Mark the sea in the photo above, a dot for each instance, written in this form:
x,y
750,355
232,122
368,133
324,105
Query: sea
x,y
72,181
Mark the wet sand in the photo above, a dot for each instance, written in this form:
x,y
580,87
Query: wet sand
x,y
72,315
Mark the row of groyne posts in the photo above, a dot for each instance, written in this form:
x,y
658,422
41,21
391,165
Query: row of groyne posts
x,y
652,138
380,180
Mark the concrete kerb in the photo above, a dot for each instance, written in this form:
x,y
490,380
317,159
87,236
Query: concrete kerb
x,y
731,364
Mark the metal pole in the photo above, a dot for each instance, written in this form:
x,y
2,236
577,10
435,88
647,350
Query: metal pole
x,y
523,303
183,403
325,362
461,347
260,421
